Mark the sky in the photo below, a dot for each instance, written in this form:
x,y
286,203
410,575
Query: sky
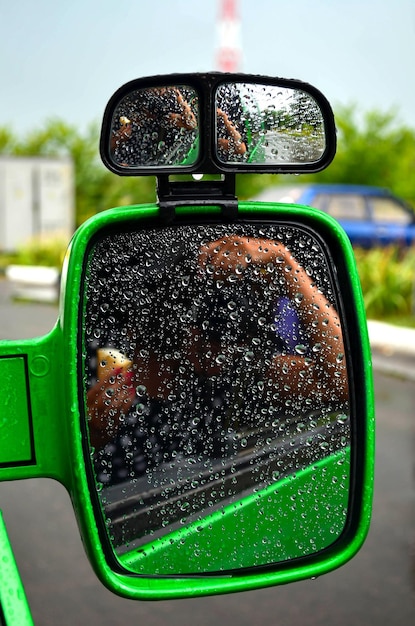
x,y
64,58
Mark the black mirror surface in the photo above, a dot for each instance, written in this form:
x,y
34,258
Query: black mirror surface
x,y
216,395
155,127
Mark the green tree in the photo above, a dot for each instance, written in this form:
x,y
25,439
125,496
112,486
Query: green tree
x,y
7,141
375,151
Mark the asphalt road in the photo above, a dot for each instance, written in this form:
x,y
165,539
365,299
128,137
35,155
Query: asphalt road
x,y
376,587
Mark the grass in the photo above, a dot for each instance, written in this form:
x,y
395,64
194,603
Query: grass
x,y
46,251
387,276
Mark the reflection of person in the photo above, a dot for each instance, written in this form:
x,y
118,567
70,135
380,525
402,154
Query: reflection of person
x,y
231,135
147,124
230,143
150,127
313,307
215,353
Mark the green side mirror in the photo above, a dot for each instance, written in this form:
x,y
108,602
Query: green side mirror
x,y
206,395
216,398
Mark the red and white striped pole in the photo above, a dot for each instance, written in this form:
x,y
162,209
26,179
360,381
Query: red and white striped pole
x,y
229,54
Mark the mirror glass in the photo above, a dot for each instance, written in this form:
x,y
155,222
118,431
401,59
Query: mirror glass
x,y
268,125
216,396
156,127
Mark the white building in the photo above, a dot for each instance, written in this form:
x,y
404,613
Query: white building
x,y
36,199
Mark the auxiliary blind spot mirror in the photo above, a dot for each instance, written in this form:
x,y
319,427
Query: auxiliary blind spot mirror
x,y
217,123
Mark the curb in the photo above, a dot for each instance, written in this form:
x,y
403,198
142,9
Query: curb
x,y
393,349
33,282
391,339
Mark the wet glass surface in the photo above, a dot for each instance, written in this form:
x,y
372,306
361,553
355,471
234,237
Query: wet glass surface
x,y
254,124
263,124
217,397
156,127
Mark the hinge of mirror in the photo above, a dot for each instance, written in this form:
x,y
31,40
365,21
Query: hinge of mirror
x,y
220,192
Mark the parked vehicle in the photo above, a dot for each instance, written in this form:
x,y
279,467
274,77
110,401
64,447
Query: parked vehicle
x,y
371,216
206,396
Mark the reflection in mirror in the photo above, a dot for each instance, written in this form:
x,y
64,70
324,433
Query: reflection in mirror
x,y
268,125
217,396
156,127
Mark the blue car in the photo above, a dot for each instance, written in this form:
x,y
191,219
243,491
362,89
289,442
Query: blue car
x,y
371,216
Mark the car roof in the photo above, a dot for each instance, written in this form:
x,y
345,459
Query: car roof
x,y
303,192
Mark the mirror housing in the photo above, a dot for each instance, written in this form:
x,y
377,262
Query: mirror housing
x,y
55,362
216,124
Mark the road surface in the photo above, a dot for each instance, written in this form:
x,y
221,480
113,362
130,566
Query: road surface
x,y
377,587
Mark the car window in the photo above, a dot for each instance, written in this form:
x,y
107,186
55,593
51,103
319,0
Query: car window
x,y
342,206
388,210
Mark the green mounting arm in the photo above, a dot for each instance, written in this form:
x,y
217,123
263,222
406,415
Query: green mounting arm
x,y
33,438
14,608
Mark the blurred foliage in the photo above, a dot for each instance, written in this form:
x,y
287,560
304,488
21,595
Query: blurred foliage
x,y
387,277
47,251
373,149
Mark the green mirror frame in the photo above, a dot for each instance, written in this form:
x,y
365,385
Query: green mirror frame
x,y
45,436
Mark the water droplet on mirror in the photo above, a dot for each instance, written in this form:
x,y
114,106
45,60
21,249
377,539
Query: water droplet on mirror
x,y
342,418
141,390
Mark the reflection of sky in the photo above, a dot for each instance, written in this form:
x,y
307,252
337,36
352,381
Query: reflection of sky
x,y
262,97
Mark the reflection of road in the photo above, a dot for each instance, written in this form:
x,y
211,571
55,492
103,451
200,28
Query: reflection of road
x,y
151,502
288,149
376,587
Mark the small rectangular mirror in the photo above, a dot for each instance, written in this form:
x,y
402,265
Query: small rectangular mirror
x,y
268,125
216,394
217,123
156,127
